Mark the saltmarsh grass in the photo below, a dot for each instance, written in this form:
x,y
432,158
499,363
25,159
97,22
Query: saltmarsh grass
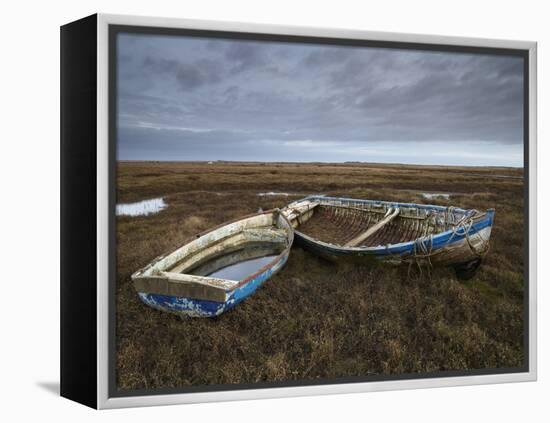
x,y
316,319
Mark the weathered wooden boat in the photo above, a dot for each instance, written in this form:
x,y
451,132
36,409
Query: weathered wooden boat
x,y
218,269
345,228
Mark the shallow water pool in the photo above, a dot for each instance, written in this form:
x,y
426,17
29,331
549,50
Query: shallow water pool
x,y
141,208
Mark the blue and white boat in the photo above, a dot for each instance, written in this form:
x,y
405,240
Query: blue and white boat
x,y
218,269
346,228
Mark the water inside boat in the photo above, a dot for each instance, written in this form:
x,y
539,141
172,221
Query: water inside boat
x,y
240,264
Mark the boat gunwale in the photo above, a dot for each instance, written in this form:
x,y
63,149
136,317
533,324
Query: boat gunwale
x,y
389,203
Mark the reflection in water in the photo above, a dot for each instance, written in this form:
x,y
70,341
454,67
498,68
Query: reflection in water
x,y
239,271
240,264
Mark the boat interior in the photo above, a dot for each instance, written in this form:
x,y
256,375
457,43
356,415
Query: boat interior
x,y
241,243
363,223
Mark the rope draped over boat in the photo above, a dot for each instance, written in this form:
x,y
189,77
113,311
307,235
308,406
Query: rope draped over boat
x,y
423,247
421,254
450,216
465,224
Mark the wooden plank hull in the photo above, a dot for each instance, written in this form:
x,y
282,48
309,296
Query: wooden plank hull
x,y
421,233
177,283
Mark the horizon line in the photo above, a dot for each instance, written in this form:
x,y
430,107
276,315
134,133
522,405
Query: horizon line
x,y
317,162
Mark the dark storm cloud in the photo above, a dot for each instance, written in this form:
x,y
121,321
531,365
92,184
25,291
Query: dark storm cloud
x,y
208,99
160,65
190,76
327,56
245,56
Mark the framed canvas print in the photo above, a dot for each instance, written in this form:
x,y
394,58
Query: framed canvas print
x,y
253,211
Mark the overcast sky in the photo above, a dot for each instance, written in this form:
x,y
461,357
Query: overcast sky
x,y
186,98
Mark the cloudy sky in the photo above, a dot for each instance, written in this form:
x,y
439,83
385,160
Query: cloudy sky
x,y
186,98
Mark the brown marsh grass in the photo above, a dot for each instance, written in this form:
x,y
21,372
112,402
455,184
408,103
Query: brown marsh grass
x,y
315,319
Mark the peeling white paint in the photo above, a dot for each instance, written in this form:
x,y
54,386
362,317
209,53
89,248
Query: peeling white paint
x,y
141,208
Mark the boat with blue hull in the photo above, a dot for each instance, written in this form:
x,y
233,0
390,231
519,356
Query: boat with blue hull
x,y
353,229
218,269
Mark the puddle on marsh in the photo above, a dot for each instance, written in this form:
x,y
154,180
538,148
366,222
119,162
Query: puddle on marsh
x,y
240,264
432,195
141,208
285,194
275,194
